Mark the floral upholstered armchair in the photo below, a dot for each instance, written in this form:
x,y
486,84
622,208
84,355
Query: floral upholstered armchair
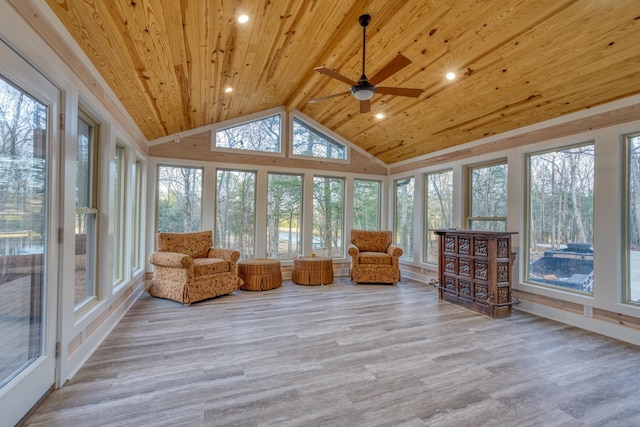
x,y
187,268
374,259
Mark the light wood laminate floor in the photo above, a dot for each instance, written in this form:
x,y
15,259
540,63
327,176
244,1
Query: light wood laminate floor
x,y
345,355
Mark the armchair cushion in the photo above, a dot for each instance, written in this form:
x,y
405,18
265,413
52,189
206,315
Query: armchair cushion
x,y
378,258
196,245
371,241
206,266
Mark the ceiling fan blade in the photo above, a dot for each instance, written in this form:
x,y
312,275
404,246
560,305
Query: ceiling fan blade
x,y
365,106
399,91
331,73
395,65
324,98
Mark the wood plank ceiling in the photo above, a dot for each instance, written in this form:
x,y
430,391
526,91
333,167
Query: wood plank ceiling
x,y
519,62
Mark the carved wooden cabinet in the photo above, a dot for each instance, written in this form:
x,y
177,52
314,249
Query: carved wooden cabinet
x,y
475,270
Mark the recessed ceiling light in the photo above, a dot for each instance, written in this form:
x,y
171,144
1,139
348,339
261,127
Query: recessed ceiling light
x,y
243,19
228,89
451,75
379,116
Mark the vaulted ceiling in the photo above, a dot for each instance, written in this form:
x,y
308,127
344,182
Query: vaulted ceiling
x,y
519,62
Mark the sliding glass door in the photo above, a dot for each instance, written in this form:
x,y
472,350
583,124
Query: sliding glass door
x,y
28,236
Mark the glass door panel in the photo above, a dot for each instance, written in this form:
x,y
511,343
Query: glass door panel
x,y
22,228
27,332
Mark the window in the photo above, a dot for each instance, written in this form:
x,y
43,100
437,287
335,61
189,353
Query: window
x,y
488,198
119,206
438,210
560,218
366,204
311,143
259,135
179,199
236,211
284,215
632,288
404,215
86,218
136,252
328,216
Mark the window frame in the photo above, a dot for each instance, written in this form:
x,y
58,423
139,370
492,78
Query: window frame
x,y
157,192
137,224
326,133
425,237
379,182
407,253
301,212
526,221
216,243
626,221
93,208
244,120
468,191
343,180
119,210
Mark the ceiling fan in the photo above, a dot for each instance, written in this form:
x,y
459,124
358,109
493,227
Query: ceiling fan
x,y
364,89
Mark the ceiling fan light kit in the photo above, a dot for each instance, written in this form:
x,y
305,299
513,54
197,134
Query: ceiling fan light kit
x,y
364,89
363,93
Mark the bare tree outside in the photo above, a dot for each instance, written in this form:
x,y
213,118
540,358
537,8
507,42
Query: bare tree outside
x,y
405,189
488,198
438,208
236,211
284,216
310,142
23,213
179,198
328,213
258,135
366,204
22,171
561,184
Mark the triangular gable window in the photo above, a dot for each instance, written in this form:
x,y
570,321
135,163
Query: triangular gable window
x,y
307,141
258,135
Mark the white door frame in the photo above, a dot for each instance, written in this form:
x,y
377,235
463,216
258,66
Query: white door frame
x,y
24,391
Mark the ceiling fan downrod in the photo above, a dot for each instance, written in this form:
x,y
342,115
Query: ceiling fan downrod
x,y
364,90
364,21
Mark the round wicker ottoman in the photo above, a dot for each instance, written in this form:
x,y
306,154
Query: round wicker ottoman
x,y
260,274
312,271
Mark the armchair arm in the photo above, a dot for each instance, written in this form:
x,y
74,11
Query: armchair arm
x,y
353,251
394,251
230,255
171,259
